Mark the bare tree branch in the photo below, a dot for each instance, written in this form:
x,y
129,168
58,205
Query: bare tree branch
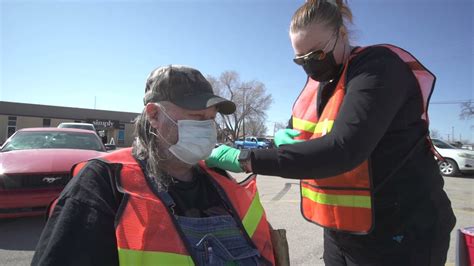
x,y
252,103
256,127
467,110
434,133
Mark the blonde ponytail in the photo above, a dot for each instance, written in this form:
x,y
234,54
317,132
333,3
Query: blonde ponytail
x,y
334,13
345,10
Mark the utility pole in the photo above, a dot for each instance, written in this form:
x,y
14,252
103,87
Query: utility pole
x,y
243,116
244,107
95,101
452,133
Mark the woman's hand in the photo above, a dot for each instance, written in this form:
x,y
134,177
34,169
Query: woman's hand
x,y
286,136
226,158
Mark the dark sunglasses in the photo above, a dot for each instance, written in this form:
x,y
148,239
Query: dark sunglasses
x,y
303,59
314,55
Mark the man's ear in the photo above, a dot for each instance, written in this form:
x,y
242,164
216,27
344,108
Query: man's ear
x,y
152,111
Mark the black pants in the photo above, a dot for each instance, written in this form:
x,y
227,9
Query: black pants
x,y
410,247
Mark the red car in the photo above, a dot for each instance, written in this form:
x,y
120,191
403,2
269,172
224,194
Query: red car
x,y
35,166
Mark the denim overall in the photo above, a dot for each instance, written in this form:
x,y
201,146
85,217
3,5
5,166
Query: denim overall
x,y
215,240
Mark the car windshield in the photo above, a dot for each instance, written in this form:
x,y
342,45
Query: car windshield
x,y
442,145
27,140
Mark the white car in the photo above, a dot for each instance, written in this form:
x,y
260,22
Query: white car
x,y
468,147
86,126
456,160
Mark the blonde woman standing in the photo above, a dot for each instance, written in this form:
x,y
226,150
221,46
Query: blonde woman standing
x,y
358,141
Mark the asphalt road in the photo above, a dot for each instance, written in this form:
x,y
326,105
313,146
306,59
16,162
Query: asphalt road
x,y
280,197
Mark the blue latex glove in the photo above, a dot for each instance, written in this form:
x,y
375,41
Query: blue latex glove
x,y
226,158
286,136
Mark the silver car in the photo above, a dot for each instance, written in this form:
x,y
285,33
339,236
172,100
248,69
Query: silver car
x,y
457,160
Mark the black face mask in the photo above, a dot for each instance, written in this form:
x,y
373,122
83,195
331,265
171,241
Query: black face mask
x,y
319,65
322,70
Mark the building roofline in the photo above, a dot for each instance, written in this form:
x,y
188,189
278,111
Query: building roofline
x,y
62,112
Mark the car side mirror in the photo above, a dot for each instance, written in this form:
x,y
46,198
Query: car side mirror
x,y
110,147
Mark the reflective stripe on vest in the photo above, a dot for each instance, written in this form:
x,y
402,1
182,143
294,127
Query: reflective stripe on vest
x,y
322,127
337,200
343,202
144,258
146,232
253,216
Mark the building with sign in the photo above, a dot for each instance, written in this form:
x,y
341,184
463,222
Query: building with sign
x,y
111,125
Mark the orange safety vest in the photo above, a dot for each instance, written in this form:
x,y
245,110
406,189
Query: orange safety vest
x,y
344,202
147,232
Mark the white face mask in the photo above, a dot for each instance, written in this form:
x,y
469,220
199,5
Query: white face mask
x,y
196,139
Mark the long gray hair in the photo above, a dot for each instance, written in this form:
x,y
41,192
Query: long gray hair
x,y
146,148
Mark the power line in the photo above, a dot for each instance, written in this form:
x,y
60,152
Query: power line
x,y
452,102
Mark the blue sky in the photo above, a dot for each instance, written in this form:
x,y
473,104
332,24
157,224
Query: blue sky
x,y
69,53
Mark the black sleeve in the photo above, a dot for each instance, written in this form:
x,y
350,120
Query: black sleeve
x,y
378,84
81,228
290,123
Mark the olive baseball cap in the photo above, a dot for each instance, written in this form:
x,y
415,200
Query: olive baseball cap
x,y
186,87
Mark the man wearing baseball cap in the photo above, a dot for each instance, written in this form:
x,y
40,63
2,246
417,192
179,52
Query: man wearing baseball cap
x,y
157,203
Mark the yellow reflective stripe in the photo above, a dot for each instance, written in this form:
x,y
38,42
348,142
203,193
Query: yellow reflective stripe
x,y
253,216
324,126
321,127
337,200
303,125
140,257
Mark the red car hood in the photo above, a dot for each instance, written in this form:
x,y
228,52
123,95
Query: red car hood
x,y
43,160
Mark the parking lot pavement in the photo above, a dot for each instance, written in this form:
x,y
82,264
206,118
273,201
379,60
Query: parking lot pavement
x,y
280,197
461,192
18,238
